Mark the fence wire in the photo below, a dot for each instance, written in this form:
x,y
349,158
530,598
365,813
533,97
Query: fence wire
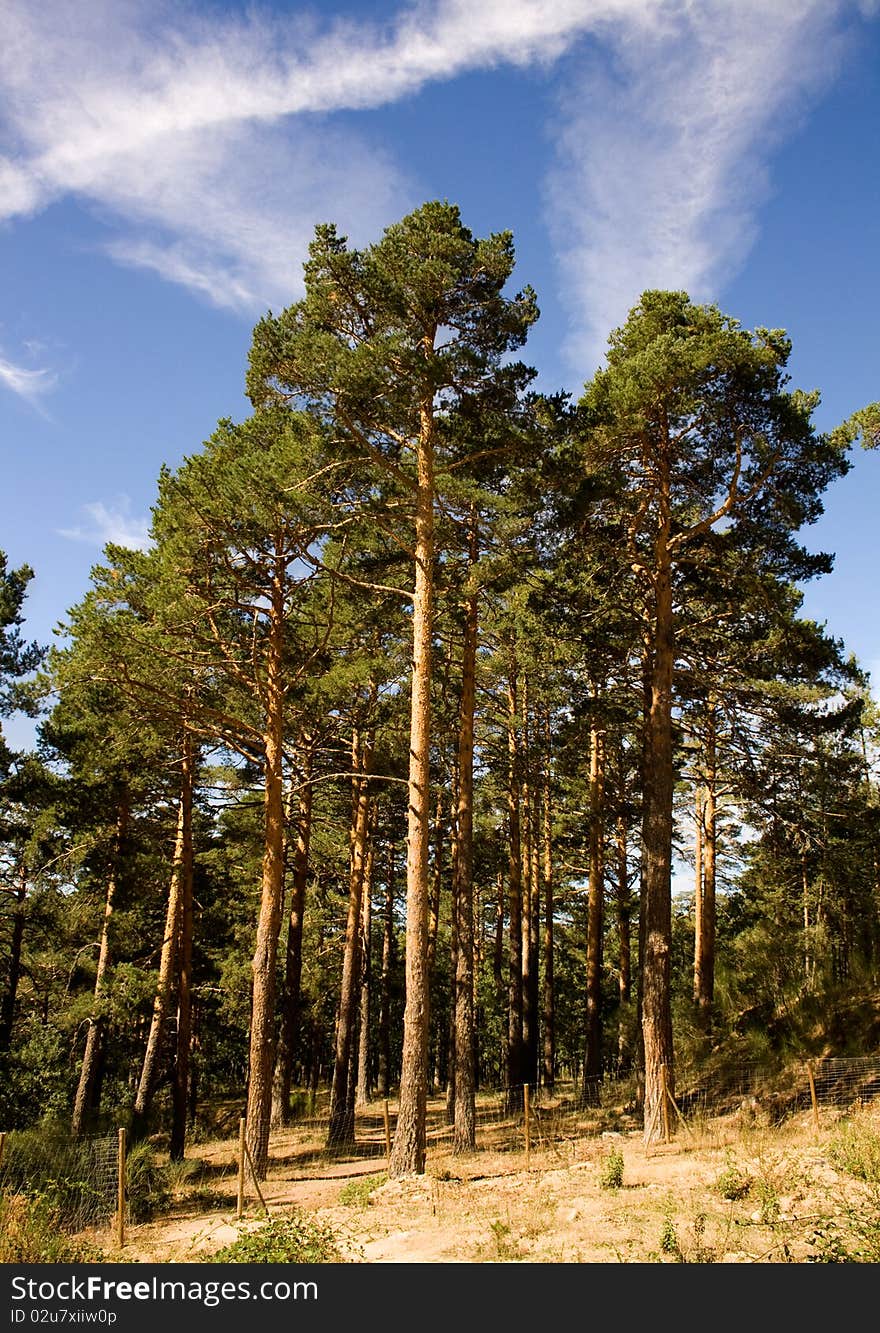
x,y
78,1177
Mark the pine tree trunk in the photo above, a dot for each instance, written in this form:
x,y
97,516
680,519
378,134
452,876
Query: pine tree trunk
x,y
548,1008
464,1115
282,1078
698,894
13,975
624,974
180,1084
656,1014
498,938
167,960
86,1095
408,1152
261,1050
595,920
514,922
707,933
704,971
363,1084
436,881
383,1082
340,1130
530,890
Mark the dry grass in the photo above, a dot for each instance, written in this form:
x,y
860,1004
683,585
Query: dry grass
x,y
729,1190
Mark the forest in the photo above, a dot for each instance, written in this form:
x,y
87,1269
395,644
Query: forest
x,y
448,734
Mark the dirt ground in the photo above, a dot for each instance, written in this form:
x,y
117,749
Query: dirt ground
x,y
732,1190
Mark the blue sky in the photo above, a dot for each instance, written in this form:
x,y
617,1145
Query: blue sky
x,y
162,168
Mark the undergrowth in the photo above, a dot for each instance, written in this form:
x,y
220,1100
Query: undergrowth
x,y
295,1239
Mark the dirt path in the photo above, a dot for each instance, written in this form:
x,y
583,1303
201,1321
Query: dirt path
x,y
493,1207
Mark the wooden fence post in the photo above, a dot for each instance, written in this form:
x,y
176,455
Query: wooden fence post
x,y
664,1095
239,1207
120,1191
2,1144
813,1098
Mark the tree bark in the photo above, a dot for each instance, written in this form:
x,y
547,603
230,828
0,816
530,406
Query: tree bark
x,y
7,1010
364,1085
408,1152
282,1078
340,1130
530,891
698,893
261,1048
180,1083
436,887
85,1098
383,1081
656,1013
464,1132
624,974
595,919
514,921
168,954
548,1008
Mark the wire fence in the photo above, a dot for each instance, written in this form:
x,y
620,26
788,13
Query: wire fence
x,y
84,1177
537,1118
79,1177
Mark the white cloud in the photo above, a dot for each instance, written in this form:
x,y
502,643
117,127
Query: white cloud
x,y
112,522
201,137
28,384
663,156
204,139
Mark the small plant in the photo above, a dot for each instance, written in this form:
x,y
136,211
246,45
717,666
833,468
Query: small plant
x,y
699,1252
669,1236
295,1239
147,1188
768,1202
852,1235
733,1183
356,1193
855,1148
506,1246
611,1174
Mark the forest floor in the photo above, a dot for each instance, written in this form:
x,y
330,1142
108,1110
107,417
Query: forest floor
x,y
736,1189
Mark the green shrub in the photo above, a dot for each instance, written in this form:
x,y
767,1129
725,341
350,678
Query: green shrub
x,y
669,1236
356,1193
295,1239
855,1148
611,1174
733,1183
76,1177
147,1183
852,1235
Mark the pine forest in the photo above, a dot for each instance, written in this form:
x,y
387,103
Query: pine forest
x,y
447,737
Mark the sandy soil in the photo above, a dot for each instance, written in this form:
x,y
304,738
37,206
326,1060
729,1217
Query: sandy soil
x,y
554,1206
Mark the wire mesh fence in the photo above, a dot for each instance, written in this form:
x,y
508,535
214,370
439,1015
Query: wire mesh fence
x,y
79,1177
536,1117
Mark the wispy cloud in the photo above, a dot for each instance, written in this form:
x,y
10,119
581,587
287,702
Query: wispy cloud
x,y
663,152
207,141
30,384
200,137
113,522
